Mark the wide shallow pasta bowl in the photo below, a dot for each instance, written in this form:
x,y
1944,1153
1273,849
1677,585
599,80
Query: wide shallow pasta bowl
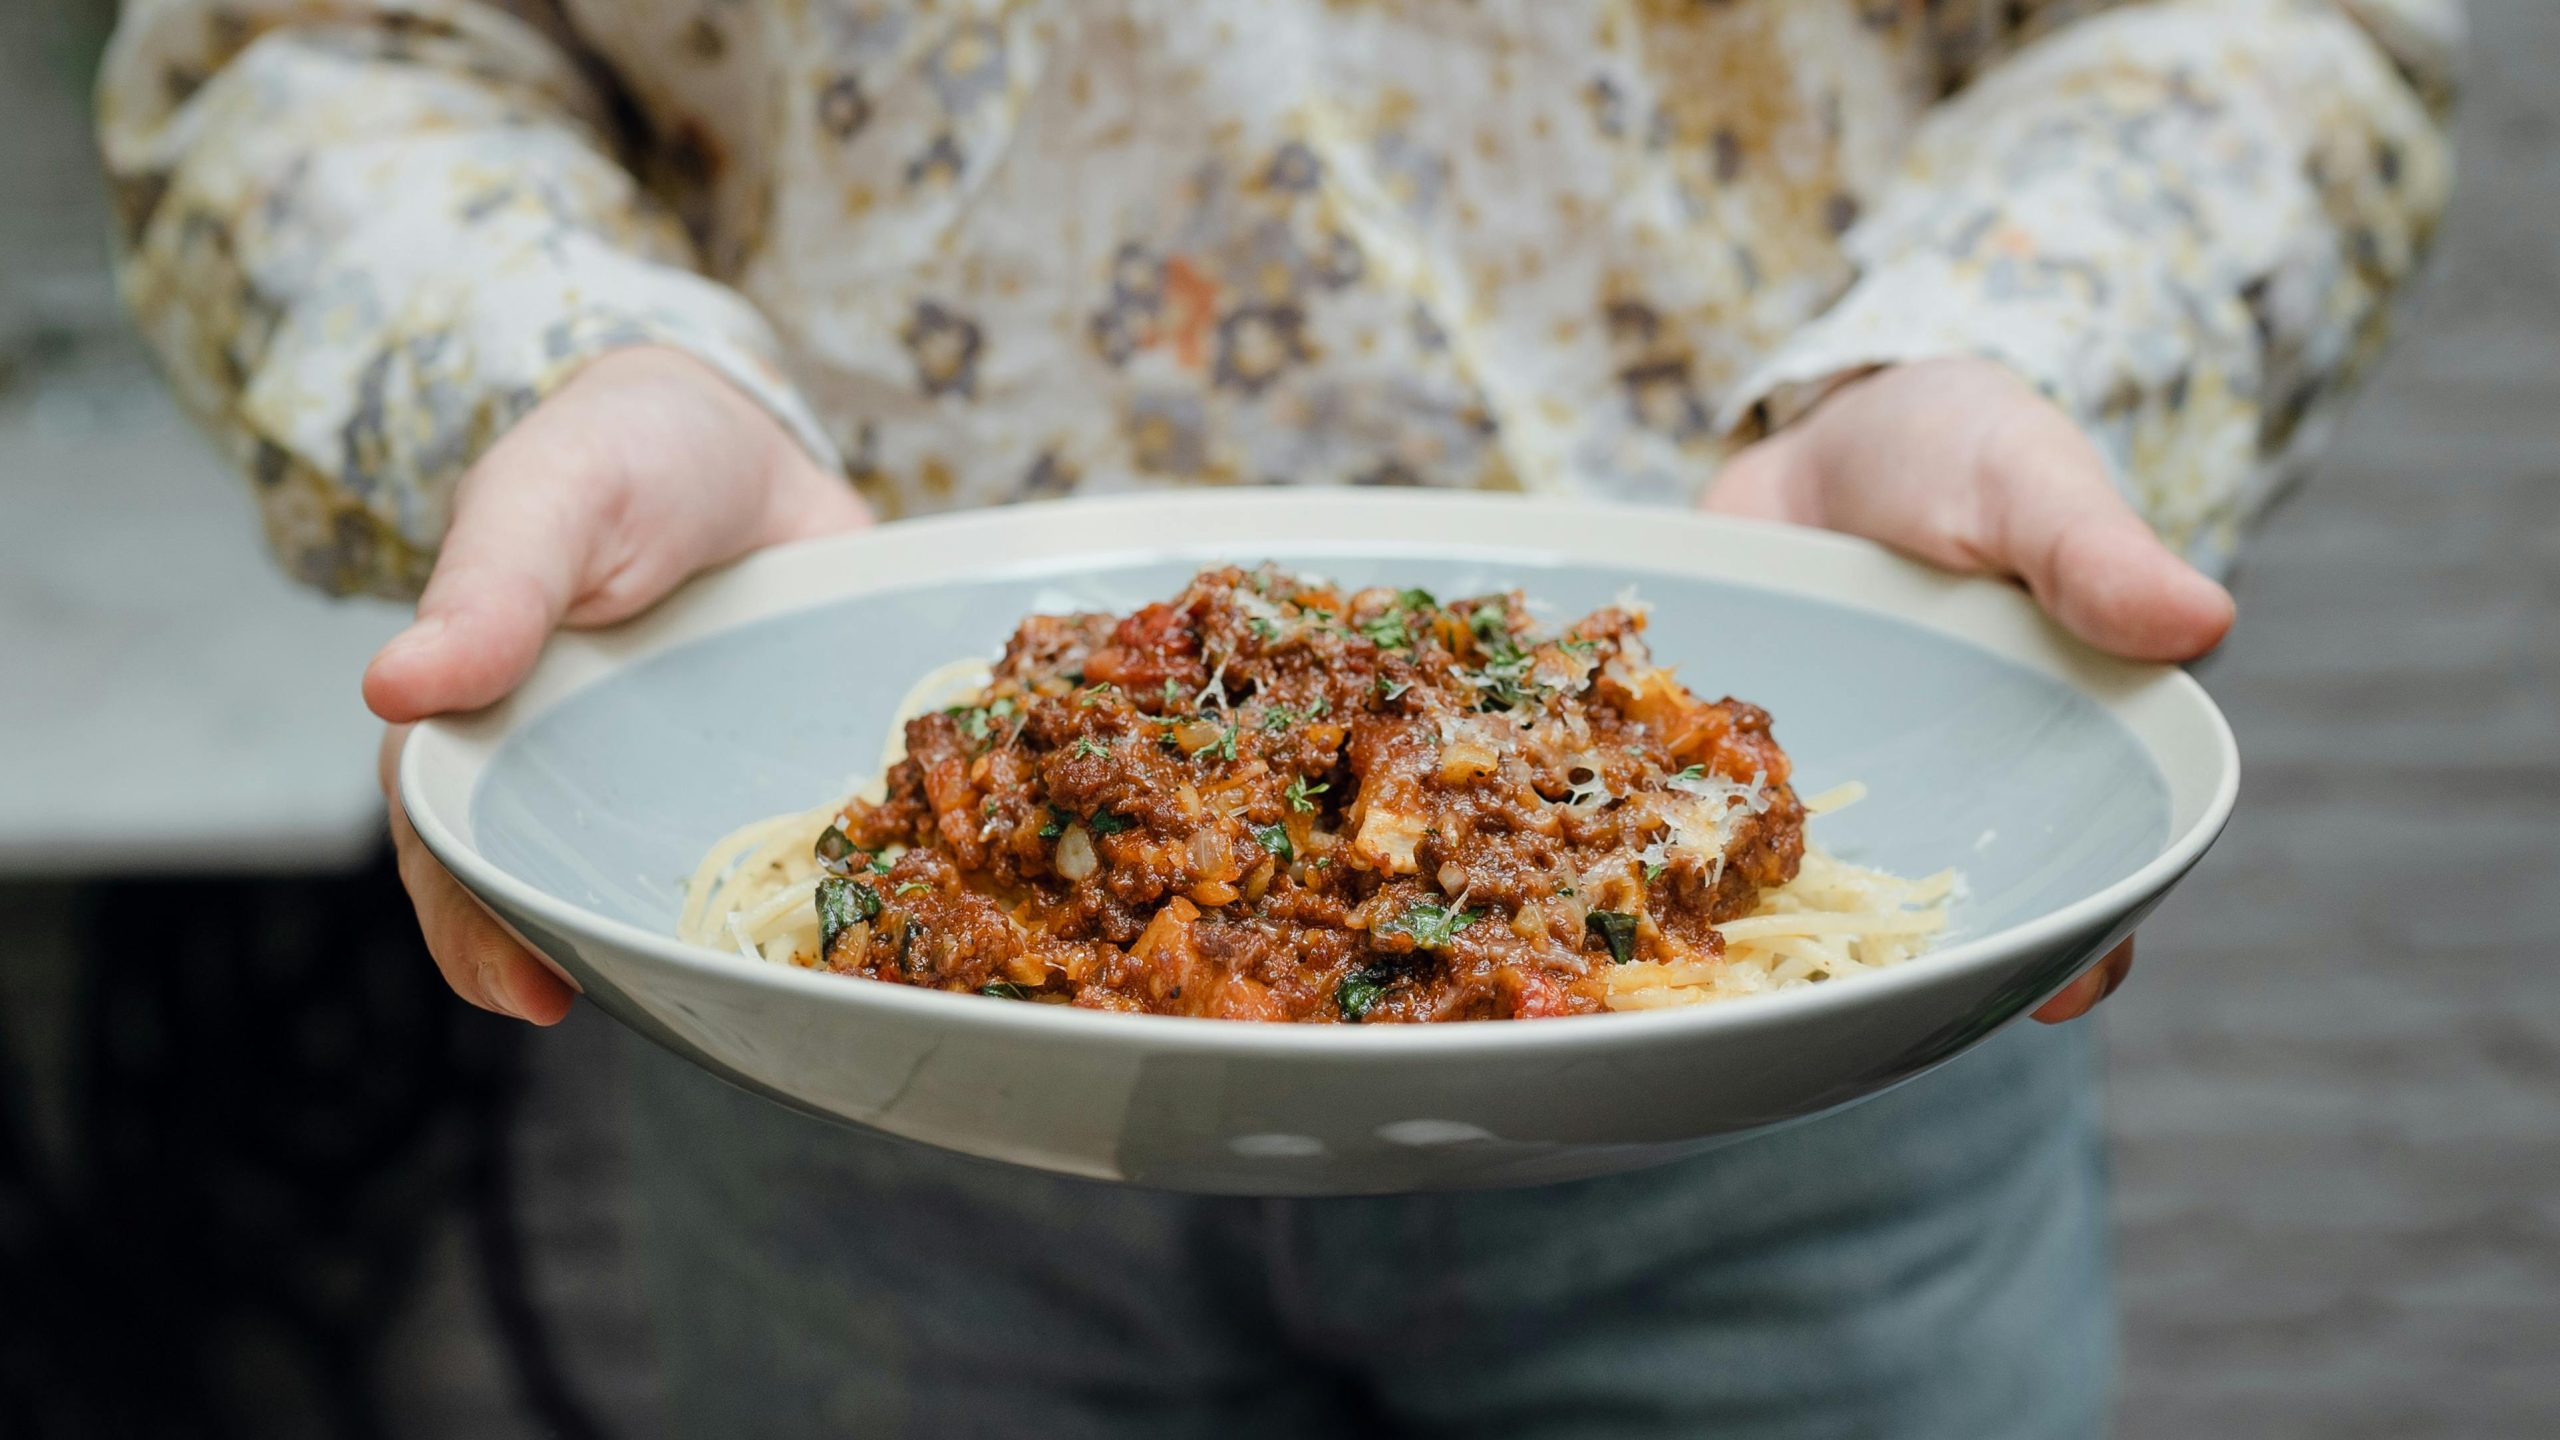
x,y
2071,790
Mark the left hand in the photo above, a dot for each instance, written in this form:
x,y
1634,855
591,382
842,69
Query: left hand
x,y
1961,464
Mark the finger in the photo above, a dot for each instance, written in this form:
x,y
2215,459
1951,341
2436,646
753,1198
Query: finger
x,y
2054,519
1766,481
504,579
810,501
479,960
636,563
2093,985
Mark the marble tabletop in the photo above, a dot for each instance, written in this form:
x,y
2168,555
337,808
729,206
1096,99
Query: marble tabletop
x,y
168,700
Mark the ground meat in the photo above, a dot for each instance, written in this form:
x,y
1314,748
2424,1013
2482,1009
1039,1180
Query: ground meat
x,y
1268,799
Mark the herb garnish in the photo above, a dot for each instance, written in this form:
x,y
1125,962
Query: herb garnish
x,y
1097,694
1506,666
1087,747
836,851
1224,745
1387,631
1005,990
974,718
1691,772
1101,822
912,886
1275,838
1431,924
1390,689
1617,930
1361,989
1301,795
841,905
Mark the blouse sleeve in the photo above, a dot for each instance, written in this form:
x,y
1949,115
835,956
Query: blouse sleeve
x,y
2181,221
362,238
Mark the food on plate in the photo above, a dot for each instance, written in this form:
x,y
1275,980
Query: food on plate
x,y
1269,798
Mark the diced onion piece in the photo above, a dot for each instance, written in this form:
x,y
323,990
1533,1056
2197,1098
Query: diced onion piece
x,y
1387,839
1076,860
1212,858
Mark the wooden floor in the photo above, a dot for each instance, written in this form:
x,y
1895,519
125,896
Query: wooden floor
x,y
2335,1081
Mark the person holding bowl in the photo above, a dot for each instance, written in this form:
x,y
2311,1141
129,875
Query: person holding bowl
x,y
531,311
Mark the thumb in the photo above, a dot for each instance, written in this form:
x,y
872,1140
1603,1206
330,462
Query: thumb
x,y
2054,519
506,575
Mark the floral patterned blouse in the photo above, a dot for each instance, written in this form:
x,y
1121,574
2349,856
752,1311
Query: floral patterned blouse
x,y
977,251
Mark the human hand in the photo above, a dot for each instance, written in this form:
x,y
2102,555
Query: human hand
x,y
1961,464
645,468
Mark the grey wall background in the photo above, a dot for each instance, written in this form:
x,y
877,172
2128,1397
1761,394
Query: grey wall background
x,y
2335,1082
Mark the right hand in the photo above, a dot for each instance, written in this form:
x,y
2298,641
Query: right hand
x,y
645,468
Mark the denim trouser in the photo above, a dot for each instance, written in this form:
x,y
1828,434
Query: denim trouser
x,y
1929,1264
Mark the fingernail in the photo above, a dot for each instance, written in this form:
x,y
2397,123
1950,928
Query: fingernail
x,y
425,632
493,990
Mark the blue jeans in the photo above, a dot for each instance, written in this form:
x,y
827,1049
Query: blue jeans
x,y
1930,1264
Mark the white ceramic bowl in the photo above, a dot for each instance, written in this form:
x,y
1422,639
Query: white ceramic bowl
x,y
2071,789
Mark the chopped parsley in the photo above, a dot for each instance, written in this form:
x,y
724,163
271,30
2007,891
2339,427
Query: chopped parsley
x,y
1577,647
1387,631
1320,709
1275,838
912,886
1262,629
1302,796
1390,689
1617,930
1691,772
1097,694
1086,747
1360,990
1005,990
1653,870
1502,684
1172,693
1279,717
1224,746
1101,822
974,719
1430,924
1503,679
1415,599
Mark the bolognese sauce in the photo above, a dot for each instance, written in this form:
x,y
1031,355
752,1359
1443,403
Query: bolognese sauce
x,y
1270,798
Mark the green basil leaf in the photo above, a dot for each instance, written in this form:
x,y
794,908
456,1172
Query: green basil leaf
x,y
841,904
1616,930
1360,990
